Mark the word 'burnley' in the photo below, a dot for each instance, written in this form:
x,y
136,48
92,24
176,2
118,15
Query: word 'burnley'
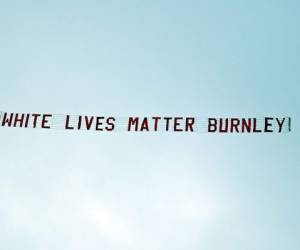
x,y
147,124
248,125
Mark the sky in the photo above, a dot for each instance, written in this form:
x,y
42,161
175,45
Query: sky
x,y
73,191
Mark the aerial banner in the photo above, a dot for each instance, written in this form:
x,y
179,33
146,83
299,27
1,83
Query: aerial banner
x,y
153,123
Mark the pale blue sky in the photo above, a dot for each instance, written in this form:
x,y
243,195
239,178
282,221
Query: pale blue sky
x,y
76,191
